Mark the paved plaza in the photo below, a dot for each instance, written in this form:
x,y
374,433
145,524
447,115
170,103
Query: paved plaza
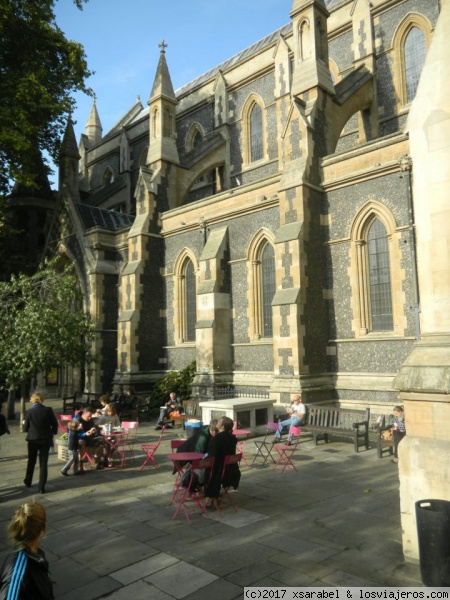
x,y
334,521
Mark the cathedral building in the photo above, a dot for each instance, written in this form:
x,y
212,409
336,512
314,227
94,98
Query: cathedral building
x,y
260,220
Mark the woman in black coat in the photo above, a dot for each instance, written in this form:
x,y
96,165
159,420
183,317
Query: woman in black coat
x,y
221,445
40,425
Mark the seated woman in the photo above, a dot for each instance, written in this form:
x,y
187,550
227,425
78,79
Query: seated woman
x,y
109,418
221,445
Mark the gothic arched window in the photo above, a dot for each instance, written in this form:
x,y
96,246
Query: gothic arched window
x,y
379,278
261,285
415,51
190,307
256,133
376,273
267,288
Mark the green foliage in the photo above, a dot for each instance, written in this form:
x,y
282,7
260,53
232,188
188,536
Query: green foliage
x,y
43,324
40,70
179,382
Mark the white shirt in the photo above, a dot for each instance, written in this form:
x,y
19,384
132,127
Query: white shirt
x,y
299,410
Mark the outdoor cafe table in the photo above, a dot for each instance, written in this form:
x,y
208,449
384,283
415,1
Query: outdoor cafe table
x,y
115,440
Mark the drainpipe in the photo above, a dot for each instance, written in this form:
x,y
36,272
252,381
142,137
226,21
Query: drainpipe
x,y
405,163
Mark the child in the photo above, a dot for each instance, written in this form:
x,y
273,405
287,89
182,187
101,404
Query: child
x,y
104,401
109,418
25,573
399,428
73,429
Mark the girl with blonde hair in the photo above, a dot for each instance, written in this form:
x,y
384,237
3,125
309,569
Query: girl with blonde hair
x,y
40,425
25,572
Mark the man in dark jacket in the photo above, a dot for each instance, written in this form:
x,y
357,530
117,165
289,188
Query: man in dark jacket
x,y
40,425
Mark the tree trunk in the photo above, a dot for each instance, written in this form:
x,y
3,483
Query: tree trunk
x,y
24,396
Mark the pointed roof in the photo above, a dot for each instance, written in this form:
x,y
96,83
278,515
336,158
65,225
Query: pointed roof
x,y
94,119
69,146
128,118
162,86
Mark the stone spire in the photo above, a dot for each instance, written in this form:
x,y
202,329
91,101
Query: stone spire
x,y
162,85
69,158
163,104
93,126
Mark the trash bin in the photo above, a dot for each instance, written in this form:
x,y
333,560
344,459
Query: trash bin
x,y
191,426
433,531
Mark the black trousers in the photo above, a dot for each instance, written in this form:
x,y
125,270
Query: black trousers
x,y
37,448
398,436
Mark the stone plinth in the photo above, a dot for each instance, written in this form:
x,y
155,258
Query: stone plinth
x,y
424,459
251,413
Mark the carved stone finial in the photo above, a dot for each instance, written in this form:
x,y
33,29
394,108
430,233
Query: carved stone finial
x,y
163,47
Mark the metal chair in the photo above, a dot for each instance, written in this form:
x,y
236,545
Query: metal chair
x,y
286,451
264,448
187,494
62,422
132,428
230,459
150,450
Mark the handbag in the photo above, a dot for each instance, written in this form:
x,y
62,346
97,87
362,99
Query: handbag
x,y
387,434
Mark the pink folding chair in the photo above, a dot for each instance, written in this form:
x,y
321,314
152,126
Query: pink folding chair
x,y
150,450
131,427
190,494
62,422
286,451
174,444
230,459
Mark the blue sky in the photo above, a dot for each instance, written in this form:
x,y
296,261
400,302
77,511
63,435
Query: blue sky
x,y
121,40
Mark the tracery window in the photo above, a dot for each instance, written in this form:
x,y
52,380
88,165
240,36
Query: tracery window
x,y
190,302
267,289
415,53
379,278
256,133
376,271
410,43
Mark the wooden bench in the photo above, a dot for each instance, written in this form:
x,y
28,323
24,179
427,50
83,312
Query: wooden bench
x,y
323,421
191,410
384,444
69,404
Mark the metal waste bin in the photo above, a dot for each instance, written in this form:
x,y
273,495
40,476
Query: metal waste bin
x,y
192,426
433,531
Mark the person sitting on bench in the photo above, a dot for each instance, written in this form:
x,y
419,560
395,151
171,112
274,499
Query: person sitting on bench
x,y
297,413
172,405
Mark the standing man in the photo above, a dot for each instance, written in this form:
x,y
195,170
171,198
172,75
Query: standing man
x,y
297,412
40,425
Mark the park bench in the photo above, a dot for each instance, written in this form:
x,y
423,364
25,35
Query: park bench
x,y
191,410
69,404
323,421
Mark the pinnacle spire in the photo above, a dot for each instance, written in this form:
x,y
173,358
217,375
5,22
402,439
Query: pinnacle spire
x,y
93,125
162,85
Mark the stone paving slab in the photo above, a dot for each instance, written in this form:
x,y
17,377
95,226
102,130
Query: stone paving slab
x,y
334,521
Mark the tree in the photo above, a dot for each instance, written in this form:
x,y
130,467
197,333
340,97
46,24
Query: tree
x,y
43,324
39,70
